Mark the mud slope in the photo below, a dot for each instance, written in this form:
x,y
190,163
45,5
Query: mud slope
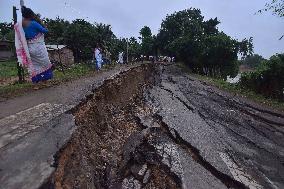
x,y
154,126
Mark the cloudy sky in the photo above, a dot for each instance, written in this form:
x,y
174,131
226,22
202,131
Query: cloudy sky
x,y
127,17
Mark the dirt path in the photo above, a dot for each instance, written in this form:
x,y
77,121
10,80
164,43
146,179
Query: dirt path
x,y
150,126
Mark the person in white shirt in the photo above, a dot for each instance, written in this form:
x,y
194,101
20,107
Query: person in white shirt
x,y
120,58
98,57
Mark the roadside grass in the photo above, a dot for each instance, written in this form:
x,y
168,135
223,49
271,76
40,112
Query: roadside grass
x,y
237,90
17,89
75,71
8,69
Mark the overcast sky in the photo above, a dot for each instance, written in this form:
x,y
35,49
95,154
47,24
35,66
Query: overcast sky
x,y
127,17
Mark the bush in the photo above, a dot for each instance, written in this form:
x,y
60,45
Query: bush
x,y
268,79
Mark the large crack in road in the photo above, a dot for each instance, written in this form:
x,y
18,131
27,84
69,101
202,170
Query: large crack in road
x,y
154,126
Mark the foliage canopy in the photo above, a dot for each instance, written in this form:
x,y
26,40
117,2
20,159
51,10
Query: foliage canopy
x,y
199,43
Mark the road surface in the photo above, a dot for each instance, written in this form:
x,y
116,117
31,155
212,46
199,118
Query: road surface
x,y
148,126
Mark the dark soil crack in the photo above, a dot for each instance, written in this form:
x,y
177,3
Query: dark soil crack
x,y
179,99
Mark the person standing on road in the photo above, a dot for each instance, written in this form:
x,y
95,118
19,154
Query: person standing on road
x,y
120,58
30,46
98,57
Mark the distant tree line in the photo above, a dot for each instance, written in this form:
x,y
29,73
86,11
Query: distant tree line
x,y
184,34
82,36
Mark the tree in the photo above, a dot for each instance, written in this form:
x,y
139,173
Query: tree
x,y
80,37
183,24
147,41
118,45
245,47
134,48
104,34
219,56
6,31
56,29
210,26
276,7
199,43
253,61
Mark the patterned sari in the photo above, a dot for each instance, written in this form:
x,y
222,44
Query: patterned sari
x,y
33,55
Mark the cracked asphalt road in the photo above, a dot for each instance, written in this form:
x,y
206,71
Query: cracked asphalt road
x,y
148,126
232,137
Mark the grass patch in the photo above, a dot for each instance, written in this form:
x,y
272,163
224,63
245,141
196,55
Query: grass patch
x,y
74,72
8,69
9,90
237,89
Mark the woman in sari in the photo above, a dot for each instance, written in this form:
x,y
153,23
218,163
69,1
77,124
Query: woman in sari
x,y
30,46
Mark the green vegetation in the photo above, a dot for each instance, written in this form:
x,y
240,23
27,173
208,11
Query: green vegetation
x,y
199,43
134,48
6,31
246,92
237,89
252,61
147,39
8,69
74,72
81,37
268,79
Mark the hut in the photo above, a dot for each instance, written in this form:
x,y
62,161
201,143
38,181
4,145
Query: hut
x,y
60,53
6,50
